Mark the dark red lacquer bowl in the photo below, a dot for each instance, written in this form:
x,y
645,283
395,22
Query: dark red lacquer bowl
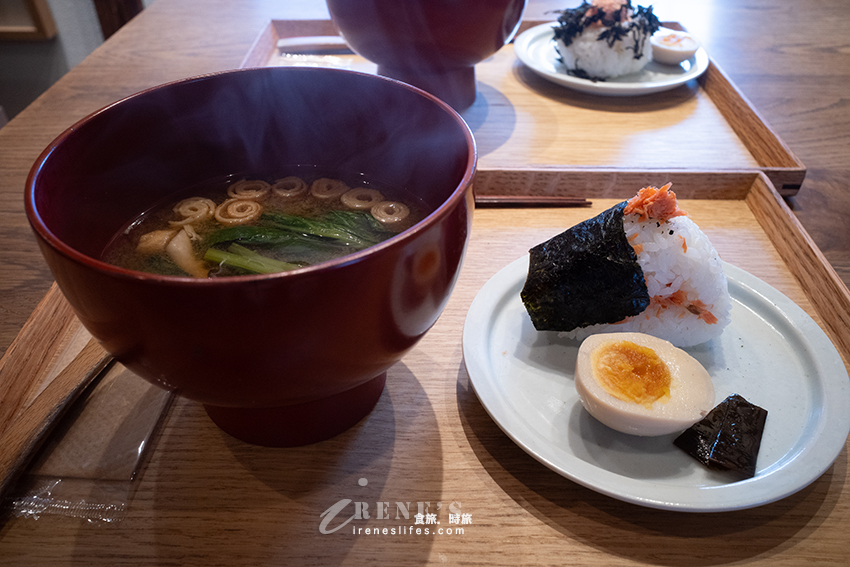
x,y
433,44
283,359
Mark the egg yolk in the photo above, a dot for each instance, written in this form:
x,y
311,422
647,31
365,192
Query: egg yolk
x,y
631,372
677,41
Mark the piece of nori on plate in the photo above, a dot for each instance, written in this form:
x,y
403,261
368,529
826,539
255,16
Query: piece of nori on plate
x,y
728,438
586,275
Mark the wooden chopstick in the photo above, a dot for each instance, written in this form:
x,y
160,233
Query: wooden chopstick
x,y
30,356
24,435
528,201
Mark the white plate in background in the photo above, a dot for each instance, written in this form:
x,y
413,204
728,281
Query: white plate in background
x,y
535,48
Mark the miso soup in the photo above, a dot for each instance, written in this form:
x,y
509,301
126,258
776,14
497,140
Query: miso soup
x,y
249,225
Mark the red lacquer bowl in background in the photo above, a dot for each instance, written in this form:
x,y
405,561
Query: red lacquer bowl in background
x,y
433,44
283,359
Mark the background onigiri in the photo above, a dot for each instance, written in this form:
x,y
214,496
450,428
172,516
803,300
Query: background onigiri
x,y
607,38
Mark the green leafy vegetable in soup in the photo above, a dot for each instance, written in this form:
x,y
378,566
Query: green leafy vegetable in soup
x,y
256,227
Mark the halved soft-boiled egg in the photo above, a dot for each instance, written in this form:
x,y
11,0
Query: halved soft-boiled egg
x,y
671,47
641,385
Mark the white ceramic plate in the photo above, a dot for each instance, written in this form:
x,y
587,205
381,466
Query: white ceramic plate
x,y
772,353
535,48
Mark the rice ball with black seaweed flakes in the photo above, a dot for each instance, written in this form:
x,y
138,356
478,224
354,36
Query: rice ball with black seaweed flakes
x,y
606,38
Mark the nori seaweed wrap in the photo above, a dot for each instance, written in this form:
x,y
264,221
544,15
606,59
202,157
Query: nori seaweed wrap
x,y
586,275
728,438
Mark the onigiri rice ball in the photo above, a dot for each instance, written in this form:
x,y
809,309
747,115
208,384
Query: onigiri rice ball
x,y
641,266
607,38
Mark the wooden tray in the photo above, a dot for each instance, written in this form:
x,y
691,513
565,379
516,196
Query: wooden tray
x,y
744,216
523,122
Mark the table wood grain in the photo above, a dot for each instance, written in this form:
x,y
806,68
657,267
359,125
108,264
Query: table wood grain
x,y
206,499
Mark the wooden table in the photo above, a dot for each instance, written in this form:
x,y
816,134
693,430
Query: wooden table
x,y
206,499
